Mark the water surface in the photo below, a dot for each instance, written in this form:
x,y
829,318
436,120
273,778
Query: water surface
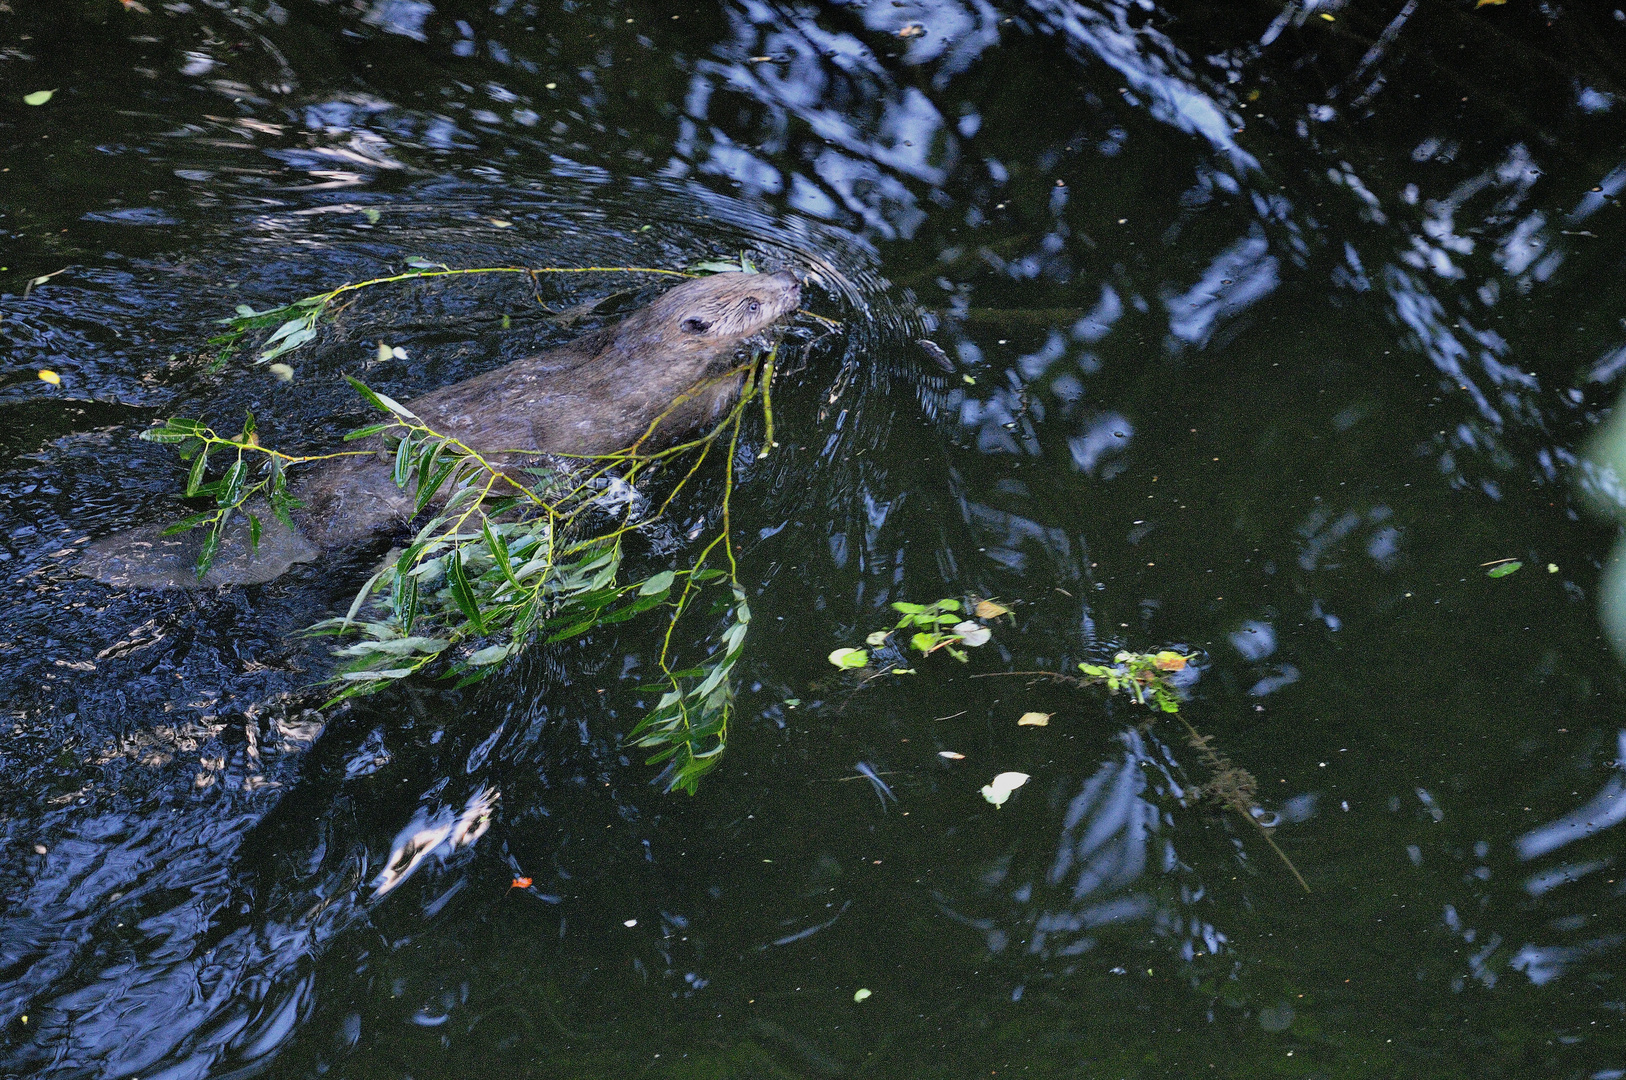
x,y
1269,327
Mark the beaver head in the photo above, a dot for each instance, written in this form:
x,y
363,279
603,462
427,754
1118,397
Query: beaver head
x,y
708,319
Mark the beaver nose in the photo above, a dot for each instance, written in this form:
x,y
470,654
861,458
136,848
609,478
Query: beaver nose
x,y
791,283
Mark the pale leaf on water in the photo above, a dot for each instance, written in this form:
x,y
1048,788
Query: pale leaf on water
x,y
849,658
972,634
1000,788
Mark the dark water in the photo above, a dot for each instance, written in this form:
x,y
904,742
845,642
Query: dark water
x,y
1270,326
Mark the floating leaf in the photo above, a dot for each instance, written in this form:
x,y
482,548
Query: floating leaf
x,y
519,882
972,634
1552,568
1034,719
876,640
1002,785
951,755
849,658
1169,661
861,995
372,215
913,30
989,609
38,97
1504,569
47,375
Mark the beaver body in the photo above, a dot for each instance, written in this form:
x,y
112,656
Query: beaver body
x,y
598,394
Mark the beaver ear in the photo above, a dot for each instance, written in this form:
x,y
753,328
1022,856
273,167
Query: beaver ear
x,y
695,325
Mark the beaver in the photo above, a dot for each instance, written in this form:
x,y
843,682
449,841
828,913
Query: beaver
x,y
596,395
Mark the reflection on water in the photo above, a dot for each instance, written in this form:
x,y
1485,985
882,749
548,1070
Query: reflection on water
x,y
1114,871
1261,331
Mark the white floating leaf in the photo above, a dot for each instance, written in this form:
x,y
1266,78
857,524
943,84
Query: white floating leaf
x,y
1002,785
1034,719
973,634
876,640
849,658
951,755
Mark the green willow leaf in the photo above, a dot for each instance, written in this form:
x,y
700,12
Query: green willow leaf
x,y
462,594
231,486
194,478
366,432
190,522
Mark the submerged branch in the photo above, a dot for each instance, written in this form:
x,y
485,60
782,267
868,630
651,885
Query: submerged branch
x,y
1144,676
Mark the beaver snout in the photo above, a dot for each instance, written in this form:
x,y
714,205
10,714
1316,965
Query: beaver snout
x,y
767,298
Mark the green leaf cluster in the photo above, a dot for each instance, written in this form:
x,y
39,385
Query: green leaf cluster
x,y
688,728
937,626
1143,676
253,471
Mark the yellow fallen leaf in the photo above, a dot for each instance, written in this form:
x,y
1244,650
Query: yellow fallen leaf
x,y
501,224
51,377
913,30
988,609
1484,3
1169,661
1034,719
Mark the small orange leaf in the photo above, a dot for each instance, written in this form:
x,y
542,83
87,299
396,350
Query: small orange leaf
x,y
1169,661
521,883
913,30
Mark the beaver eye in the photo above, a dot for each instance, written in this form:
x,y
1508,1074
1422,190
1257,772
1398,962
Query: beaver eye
x,y
752,306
